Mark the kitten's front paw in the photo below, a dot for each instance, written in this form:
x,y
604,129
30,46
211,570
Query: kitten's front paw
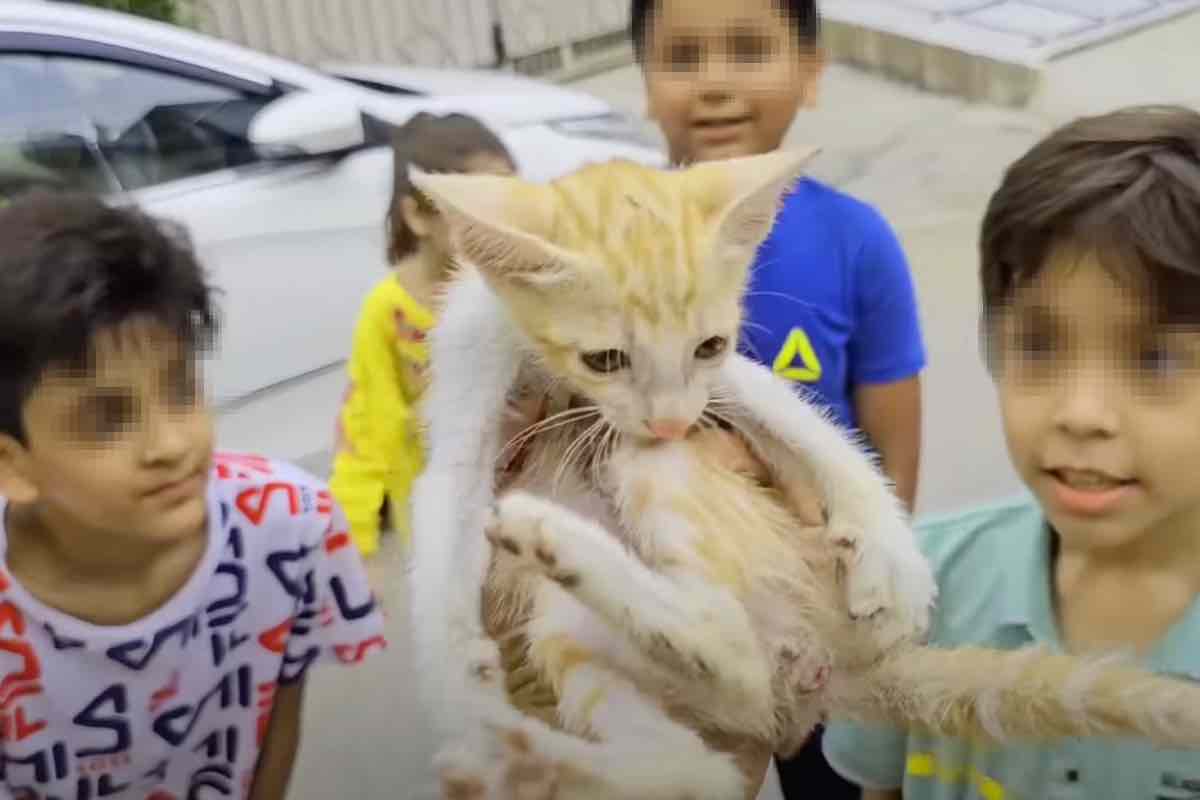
x,y
521,527
803,670
512,771
462,774
889,584
527,775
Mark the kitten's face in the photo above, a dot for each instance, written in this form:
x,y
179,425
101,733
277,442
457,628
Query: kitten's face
x,y
628,280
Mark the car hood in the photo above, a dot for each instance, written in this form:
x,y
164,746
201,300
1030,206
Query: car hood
x,y
514,99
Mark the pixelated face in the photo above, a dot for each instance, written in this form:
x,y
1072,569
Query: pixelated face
x,y
1101,407
725,79
122,447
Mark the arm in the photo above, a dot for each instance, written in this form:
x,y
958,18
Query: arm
x,y
278,755
890,415
887,352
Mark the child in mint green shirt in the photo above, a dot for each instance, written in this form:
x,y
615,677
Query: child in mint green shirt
x,y
1090,256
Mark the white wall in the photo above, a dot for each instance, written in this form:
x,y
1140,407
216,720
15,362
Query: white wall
x,y
425,32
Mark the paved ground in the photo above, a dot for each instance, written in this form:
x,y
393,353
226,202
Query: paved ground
x,y
1015,31
929,164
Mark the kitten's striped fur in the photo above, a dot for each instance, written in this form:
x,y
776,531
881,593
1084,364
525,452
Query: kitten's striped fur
x,y
648,576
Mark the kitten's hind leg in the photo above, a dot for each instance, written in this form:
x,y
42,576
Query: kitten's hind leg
x,y
516,771
692,627
620,745
659,758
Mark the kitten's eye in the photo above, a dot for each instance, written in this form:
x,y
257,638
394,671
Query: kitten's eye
x,y
711,348
605,361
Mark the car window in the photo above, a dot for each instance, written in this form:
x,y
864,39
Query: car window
x,y
142,127
46,140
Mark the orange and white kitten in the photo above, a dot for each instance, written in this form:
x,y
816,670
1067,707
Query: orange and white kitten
x,y
648,576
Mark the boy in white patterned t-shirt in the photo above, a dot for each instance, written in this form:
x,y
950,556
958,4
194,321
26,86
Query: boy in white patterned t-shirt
x,y
159,606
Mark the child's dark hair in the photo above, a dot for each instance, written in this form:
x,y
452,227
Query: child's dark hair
x,y
432,144
1124,186
71,267
803,15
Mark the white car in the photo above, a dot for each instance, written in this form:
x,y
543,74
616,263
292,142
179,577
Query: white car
x,y
280,172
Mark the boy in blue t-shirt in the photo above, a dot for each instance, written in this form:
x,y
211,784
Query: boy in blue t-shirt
x,y
831,304
1090,256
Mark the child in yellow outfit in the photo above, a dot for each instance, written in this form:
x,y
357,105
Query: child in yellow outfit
x,y
380,450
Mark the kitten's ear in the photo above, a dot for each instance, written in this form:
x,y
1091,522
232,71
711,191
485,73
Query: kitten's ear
x,y
490,219
756,187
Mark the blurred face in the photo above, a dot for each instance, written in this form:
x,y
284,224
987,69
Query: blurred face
x,y
725,79
121,450
1101,408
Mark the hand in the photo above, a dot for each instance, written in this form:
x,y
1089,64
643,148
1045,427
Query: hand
x,y
799,491
731,449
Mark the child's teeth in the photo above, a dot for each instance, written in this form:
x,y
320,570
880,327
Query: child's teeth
x,y
1087,480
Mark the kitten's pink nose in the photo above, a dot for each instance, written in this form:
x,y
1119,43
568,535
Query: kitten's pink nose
x,y
668,429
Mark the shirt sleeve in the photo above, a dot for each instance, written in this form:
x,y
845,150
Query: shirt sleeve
x,y
871,756
338,619
888,344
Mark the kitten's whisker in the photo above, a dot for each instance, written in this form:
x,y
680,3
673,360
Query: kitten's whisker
x,y
720,420
592,452
543,426
575,449
779,295
576,454
603,452
756,326
722,402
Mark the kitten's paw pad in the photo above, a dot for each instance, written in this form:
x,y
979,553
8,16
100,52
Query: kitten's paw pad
x,y
522,525
660,647
461,785
889,584
915,593
527,774
462,774
863,573
493,529
803,671
708,652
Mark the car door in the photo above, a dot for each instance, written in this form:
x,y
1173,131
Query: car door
x,y
292,246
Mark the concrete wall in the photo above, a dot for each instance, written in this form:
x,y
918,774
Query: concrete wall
x,y
540,35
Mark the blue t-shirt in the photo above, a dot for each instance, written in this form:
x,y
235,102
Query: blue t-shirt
x,y
831,303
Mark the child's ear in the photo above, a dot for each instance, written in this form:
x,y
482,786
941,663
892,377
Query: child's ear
x,y
814,65
417,219
493,224
16,483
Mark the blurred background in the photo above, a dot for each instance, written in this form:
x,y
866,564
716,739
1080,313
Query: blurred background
x,y
925,103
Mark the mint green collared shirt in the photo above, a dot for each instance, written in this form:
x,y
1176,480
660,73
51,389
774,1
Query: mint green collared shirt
x,y
993,571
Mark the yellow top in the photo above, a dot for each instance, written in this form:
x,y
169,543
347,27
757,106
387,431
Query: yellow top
x,y
381,447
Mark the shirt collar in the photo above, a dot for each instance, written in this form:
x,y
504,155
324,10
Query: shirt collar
x,y
1029,604
1028,597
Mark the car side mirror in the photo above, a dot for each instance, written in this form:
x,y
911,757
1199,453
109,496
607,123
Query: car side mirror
x,y
304,123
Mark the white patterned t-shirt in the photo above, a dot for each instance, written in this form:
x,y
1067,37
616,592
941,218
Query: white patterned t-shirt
x,y
177,704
